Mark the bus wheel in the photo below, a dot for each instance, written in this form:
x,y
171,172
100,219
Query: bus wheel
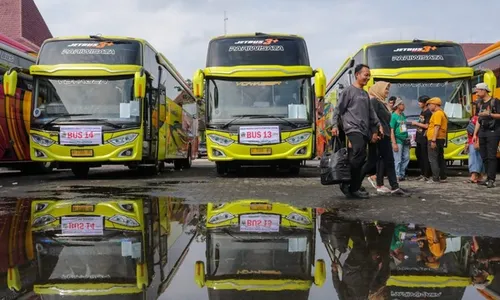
x,y
188,161
221,168
80,171
294,169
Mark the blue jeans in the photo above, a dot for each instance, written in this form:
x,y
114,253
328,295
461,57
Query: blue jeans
x,y
401,160
475,161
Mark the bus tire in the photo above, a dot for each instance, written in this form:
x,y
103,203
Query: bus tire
x,y
37,168
294,169
221,168
80,171
188,161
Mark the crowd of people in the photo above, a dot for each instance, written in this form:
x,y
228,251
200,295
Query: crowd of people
x,y
379,141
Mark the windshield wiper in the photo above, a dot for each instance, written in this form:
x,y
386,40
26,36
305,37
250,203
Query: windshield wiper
x,y
63,116
103,121
277,118
255,116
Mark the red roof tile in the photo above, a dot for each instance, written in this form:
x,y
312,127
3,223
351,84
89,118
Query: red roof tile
x,y
21,20
473,49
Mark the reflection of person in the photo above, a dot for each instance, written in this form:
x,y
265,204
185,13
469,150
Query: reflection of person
x,y
486,252
421,151
400,140
488,131
358,121
436,136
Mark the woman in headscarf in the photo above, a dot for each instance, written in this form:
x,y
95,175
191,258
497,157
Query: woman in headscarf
x,y
385,158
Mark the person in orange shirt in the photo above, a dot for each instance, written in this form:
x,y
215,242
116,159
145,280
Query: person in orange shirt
x,y
436,136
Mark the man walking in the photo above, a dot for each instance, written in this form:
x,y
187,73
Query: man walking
x,y
358,120
488,131
436,137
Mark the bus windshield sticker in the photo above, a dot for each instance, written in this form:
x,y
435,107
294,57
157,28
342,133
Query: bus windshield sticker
x,y
262,272
124,110
135,108
257,83
256,48
416,57
136,250
88,51
297,244
126,248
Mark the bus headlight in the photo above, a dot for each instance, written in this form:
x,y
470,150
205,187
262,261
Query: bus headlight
x,y
123,139
222,217
298,218
43,220
299,138
123,220
460,140
221,140
42,141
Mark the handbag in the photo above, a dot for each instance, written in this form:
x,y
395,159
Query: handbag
x,y
335,167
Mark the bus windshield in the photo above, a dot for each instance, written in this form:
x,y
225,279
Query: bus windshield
x,y
264,50
260,256
109,98
83,259
453,94
90,52
290,99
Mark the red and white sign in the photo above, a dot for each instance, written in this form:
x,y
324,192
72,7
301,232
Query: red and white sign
x,y
259,223
412,134
82,226
259,134
80,135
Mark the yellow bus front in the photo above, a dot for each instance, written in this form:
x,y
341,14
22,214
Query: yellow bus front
x,y
89,248
452,85
257,245
258,117
87,115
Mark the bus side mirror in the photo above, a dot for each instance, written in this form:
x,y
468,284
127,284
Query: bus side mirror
x,y
491,81
140,85
14,279
10,83
199,84
319,83
319,272
141,272
199,274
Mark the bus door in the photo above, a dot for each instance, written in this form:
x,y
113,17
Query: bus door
x,y
151,120
161,132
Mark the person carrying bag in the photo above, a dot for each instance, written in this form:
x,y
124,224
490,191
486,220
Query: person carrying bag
x,y
335,166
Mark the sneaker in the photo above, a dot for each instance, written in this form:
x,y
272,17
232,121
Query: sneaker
x,y
399,192
431,181
443,181
383,190
372,182
482,182
419,178
490,184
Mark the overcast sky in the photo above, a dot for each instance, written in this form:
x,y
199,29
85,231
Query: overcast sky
x,y
333,29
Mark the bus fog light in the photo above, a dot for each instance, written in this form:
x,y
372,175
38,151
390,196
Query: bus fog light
x,y
123,220
297,218
43,220
126,153
301,151
39,153
219,153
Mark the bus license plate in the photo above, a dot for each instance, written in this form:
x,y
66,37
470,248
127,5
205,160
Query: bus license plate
x,y
259,223
82,152
261,151
82,226
82,208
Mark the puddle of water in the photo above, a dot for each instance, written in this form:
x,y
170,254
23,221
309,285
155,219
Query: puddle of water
x,y
244,249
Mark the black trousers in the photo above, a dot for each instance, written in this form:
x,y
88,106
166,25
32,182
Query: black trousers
x,y
381,158
436,159
488,146
423,158
357,158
